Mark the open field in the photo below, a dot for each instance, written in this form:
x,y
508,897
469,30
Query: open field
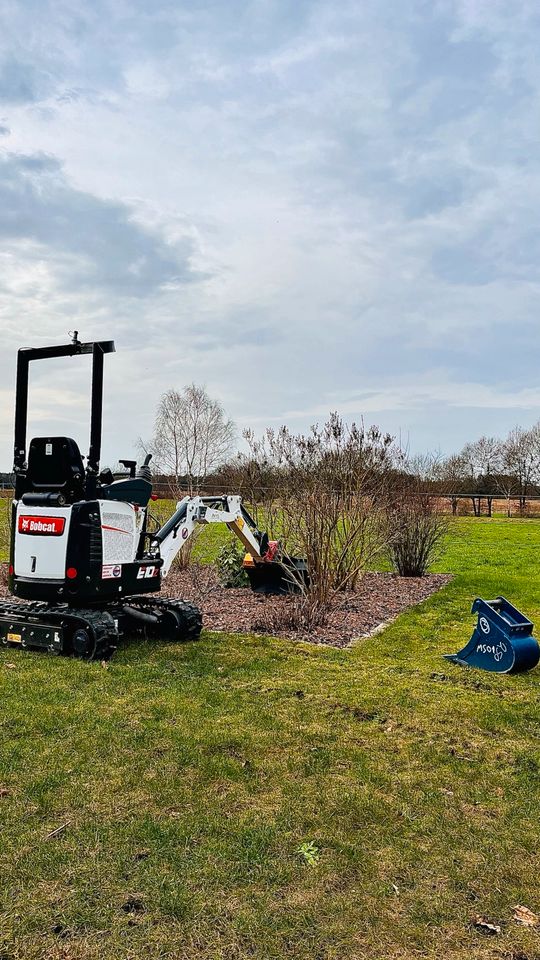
x,y
184,780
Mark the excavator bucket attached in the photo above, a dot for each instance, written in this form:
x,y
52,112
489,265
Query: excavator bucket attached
x,y
287,575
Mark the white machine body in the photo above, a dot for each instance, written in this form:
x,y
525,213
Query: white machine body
x,y
41,537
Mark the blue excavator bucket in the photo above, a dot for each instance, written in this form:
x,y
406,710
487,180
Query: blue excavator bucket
x,y
502,641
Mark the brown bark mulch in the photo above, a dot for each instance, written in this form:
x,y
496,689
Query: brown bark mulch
x,y
379,598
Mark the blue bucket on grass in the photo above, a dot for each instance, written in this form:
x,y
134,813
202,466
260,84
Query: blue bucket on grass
x,y
502,641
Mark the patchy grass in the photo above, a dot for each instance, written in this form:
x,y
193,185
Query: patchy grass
x,y
246,797
5,505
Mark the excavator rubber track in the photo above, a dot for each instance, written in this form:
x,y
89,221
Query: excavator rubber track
x,y
89,634
163,618
93,634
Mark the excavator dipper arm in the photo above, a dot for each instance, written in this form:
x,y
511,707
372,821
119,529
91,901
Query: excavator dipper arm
x,y
203,510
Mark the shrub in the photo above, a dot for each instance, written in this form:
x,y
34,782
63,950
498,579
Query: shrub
x,y
183,557
230,566
327,491
299,613
416,528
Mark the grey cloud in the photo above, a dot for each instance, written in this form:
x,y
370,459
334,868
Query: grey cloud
x,y
396,142
494,251
105,247
21,82
464,264
433,195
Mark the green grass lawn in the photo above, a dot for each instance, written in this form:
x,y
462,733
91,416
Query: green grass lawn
x,y
184,779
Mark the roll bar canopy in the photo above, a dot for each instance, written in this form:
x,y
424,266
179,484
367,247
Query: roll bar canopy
x,y
24,357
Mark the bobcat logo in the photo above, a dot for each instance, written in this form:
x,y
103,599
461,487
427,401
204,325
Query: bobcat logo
x,y
42,526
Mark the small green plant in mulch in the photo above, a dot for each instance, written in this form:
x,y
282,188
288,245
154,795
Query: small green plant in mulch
x,y
230,566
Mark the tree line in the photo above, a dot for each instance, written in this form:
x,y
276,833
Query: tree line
x,y
489,468
194,446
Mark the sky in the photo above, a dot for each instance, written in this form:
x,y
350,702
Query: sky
x,y
305,206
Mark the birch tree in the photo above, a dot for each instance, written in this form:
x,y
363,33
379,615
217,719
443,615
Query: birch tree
x,y
192,436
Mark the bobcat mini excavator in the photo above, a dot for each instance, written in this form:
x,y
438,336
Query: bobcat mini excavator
x,y
84,570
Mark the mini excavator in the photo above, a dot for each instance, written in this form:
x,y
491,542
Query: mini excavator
x,y
84,570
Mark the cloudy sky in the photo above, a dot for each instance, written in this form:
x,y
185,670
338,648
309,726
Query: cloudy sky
x,y
305,206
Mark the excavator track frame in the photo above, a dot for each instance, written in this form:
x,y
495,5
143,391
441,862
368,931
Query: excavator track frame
x,y
58,629
94,633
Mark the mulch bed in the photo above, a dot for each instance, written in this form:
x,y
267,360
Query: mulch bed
x,y
379,598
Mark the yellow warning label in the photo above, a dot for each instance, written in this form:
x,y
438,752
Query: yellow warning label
x,y
14,638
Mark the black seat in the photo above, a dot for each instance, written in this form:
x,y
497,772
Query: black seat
x,y
55,465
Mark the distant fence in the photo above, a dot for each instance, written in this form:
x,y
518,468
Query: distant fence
x,y
486,504
458,504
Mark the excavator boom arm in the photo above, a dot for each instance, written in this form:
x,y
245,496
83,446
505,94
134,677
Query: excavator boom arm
x,y
203,510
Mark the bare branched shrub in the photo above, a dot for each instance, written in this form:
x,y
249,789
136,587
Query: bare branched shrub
x,y
202,580
327,493
299,614
184,555
416,528
256,478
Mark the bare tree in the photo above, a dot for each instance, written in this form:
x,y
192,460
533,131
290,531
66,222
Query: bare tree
x,y
451,475
534,441
483,458
482,455
192,436
521,462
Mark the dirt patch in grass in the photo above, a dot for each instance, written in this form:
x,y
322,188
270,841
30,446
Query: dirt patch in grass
x,y
380,597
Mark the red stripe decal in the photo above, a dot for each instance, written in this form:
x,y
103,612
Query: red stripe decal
x,y
117,529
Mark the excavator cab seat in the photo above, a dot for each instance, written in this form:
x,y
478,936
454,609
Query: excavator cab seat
x,y
55,466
